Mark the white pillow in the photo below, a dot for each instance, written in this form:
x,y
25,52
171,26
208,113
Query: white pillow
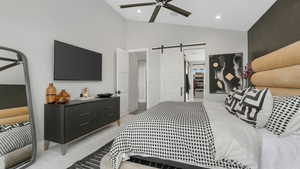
x,y
266,110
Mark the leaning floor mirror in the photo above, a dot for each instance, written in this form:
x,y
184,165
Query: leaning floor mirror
x,y
17,131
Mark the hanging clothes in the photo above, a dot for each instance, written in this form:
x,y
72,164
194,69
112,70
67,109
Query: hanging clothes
x,y
187,83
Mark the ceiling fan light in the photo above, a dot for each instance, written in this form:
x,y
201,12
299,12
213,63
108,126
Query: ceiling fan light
x,y
218,17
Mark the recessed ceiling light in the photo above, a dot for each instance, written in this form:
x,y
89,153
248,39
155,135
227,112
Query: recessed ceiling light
x,y
218,17
139,11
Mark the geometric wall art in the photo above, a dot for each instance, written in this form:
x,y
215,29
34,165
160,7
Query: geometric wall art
x,y
225,71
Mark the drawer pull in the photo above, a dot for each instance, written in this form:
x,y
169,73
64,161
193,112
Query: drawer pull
x,y
84,114
84,124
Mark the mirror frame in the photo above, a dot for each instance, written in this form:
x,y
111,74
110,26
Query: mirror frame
x,y
23,60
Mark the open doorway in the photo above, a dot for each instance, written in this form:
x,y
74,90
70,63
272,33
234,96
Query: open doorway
x,y
137,89
195,74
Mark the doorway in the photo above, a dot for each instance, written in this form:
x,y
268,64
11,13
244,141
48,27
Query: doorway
x,y
195,71
137,81
131,70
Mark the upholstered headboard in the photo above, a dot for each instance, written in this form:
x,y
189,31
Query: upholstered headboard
x,y
13,104
279,71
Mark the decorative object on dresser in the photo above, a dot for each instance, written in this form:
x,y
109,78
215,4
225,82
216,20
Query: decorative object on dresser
x,y
51,94
65,123
52,98
105,95
63,97
85,92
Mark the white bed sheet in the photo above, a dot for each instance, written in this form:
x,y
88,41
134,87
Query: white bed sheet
x,y
276,152
234,139
280,152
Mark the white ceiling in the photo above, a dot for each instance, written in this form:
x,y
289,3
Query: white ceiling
x,y
236,14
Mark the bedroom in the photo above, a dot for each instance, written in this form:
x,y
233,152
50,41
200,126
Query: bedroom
x,y
254,28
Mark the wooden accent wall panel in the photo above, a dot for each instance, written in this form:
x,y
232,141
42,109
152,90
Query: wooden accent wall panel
x,y
288,77
286,56
14,120
282,91
4,113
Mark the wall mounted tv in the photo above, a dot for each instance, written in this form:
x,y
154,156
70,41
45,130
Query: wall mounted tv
x,y
75,63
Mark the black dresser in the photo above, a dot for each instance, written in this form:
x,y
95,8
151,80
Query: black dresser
x,y
69,122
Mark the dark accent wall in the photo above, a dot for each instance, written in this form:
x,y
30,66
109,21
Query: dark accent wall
x,y
278,27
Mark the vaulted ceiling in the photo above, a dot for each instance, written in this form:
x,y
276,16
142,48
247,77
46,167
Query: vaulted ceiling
x,y
231,14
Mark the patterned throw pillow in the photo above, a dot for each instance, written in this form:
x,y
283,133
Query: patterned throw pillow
x,y
256,107
4,128
229,101
232,101
285,118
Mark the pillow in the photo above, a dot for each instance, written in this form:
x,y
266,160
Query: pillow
x,y
285,118
4,128
232,101
256,107
229,101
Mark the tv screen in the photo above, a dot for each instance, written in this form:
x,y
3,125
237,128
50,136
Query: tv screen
x,y
75,63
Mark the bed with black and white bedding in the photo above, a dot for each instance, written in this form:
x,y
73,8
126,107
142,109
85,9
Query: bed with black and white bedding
x,y
15,144
201,135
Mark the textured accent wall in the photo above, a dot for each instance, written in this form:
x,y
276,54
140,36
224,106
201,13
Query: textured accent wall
x,y
278,27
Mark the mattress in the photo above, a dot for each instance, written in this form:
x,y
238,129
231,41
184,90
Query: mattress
x,y
280,152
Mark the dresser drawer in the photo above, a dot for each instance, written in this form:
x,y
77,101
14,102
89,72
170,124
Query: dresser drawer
x,y
78,121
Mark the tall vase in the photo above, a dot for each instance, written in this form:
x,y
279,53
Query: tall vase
x,y
51,94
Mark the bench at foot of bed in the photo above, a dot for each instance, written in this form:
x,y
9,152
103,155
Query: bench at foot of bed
x,y
107,164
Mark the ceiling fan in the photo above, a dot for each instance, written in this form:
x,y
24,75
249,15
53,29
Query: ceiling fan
x,y
159,4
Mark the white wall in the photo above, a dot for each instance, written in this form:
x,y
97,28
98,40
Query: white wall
x,y
142,80
13,75
144,35
133,94
31,26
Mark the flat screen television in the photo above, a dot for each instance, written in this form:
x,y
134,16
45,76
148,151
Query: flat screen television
x,y
75,63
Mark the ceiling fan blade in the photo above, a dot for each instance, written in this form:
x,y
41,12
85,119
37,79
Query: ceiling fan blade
x,y
137,5
178,10
155,13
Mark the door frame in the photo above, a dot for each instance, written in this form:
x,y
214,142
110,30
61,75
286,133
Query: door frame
x,y
116,76
147,70
206,66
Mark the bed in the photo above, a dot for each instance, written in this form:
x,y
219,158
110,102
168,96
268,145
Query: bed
x,y
15,127
205,135
15,136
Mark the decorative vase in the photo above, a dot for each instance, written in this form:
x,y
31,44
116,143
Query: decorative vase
x,y
51,94
63,97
